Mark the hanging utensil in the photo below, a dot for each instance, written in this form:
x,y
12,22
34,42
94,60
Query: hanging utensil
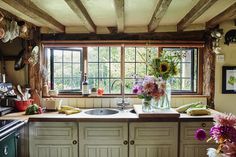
x,y
20,91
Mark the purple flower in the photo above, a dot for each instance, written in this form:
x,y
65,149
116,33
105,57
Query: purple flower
x,y
200,134
228,132
137,89
216,133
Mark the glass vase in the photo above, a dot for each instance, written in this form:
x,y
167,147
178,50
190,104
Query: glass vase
x,y
165,101
146,105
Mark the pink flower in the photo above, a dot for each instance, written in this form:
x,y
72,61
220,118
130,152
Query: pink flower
x,y
229,149
225,119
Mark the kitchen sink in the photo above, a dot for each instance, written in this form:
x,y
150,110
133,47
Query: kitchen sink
x,y
101,111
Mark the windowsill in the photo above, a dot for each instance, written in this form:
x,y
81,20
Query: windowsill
x,y
117,95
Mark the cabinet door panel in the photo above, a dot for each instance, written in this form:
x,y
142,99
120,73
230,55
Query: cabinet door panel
x,y
152,151
105,151
194,150
53,151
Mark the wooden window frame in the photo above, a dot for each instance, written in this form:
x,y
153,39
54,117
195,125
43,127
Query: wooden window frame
x,y
84,45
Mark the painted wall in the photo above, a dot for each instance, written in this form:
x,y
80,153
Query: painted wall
x,y
225,102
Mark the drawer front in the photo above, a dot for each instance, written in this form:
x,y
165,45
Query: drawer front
x,y
53,130
188,129
153,131
103,131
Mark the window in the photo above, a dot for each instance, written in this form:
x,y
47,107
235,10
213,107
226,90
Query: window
x,y
65,66
104,68
108,65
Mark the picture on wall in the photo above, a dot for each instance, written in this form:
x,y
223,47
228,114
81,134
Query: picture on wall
x,y
229,79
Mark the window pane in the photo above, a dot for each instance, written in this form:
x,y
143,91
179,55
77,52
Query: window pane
x,y
92,54
92,70
141,55
104,70
129,69
57,70
115,54
141,69
103,54
58,84
186,70
67,56
175,84
186,84
57,55
115,86
129,85
76,70
130,54
67,69
115,70
76,57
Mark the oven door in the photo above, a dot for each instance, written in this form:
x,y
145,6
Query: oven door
x,y
8,146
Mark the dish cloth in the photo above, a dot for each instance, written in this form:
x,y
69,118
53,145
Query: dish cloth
x,y
68,110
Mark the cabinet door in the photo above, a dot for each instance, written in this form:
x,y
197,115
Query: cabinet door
x,y
194,150
157,139
53,139
103,139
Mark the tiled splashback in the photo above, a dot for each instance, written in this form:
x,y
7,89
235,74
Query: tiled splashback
x,y
111,102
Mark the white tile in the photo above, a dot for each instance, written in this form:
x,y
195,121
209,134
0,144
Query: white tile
x,y
80,102
97,102
106,102
89,102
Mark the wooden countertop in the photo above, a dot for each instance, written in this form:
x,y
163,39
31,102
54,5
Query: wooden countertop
x,y
122,116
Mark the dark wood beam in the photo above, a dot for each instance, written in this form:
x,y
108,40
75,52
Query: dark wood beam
x,y
159,12
174,36
228,14
81,12
119,6
194,13
31,11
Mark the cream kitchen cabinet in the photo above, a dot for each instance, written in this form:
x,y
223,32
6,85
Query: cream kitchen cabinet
x,y
188,145
53,139
157,139
103,139
153,139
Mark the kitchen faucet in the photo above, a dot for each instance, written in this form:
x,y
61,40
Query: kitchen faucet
x,y
123,103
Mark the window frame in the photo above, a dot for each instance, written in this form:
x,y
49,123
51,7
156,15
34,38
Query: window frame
x,y
199,83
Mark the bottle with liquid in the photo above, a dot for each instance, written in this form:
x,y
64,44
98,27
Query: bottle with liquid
x,y
85,86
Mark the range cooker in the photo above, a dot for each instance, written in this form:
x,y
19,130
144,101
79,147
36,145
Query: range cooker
x,y
10,137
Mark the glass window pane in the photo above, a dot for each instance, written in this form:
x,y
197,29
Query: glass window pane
x,y
129,70
129,85
58,84
115,54
76,70
92,54
130,54
141,69
93,83
104,70
104,54
175,84
76,56
57,55
186,70
92,70
186,84
115,86
67,56
67,70
75,83
141,54
115,70
67,83
57,69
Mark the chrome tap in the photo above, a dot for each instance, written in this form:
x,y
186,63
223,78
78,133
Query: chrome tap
x,y
123,103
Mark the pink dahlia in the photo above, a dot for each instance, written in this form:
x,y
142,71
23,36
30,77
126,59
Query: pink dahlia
x,y
225,119
229,149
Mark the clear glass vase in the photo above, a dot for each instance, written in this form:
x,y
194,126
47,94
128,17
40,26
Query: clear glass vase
x,y
146,105
165,101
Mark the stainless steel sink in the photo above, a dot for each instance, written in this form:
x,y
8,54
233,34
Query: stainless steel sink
x,y
101,111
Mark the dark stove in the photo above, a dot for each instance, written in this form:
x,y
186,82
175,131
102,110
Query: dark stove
x,y
7,126
5,110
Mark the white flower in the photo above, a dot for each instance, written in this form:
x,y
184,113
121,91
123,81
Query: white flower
x,y
211,152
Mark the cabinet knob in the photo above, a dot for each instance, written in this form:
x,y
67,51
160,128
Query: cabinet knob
x,y
203,124
74,142
131,142
125,142
5,150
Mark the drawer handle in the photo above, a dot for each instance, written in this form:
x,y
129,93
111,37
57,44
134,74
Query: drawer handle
x,y
132,142
203,124
125,142
74,142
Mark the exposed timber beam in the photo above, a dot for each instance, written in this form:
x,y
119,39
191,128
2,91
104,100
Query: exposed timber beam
x,y
119,6
159,12
81,12
228,14
31,13
194,13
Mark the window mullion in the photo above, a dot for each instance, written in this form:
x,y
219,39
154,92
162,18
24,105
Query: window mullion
x,y
122,67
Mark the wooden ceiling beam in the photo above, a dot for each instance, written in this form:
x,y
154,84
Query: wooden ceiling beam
x,y
159,12
194,13
228,14
119,6
81,12
33,12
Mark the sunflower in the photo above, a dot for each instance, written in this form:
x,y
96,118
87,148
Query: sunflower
x,y
164,67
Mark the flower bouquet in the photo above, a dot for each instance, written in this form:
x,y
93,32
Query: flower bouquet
x,y
223,133
148,88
